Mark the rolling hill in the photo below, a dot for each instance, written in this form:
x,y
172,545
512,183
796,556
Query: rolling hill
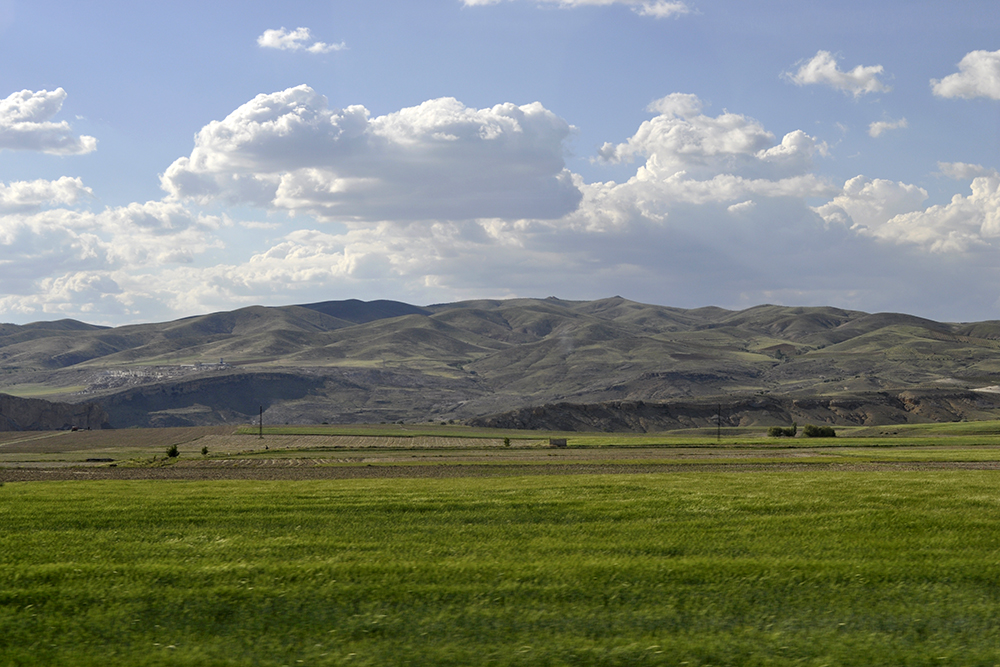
x,y
353,361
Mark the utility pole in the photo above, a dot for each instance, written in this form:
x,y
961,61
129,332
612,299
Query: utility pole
x,y
718,432
261,422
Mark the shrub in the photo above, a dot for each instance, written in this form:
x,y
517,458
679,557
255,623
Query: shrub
x,y
778,432
204,451
172,451
811,431
506,442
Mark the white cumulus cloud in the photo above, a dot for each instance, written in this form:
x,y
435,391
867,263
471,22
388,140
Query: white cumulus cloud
x,y
682,138
892,211
49,242
37,243
438,160
80,294
25,196
958,226
156,233
823,69
978,75
26,124
865,204
300,39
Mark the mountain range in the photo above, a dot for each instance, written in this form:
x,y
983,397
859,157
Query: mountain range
x,y
476,361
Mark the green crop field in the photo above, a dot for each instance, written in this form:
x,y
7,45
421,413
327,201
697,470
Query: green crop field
x,y
768,568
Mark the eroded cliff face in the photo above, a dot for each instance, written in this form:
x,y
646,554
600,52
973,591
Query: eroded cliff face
x,y
33,414
909,407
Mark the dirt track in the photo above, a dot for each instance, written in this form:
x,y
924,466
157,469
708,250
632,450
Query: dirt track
x,y
294,469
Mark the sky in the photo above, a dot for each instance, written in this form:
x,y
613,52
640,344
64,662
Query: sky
x,y
165,160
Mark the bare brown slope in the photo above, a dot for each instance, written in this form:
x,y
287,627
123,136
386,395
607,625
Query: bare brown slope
x,y
464,360
32,414
912,407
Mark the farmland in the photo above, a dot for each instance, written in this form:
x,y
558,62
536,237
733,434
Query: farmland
x,y
432,450
440,545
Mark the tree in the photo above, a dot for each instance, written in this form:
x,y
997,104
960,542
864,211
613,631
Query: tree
x,y
778,432
811,431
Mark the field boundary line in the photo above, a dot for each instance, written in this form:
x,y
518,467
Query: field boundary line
x,y
37,437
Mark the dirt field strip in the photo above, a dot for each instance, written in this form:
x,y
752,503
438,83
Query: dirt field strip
x,y
243,442
250,469
47,434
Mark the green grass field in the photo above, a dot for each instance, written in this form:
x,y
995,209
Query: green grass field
x,y
772,568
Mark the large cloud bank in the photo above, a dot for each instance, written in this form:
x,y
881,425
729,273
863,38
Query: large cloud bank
x,y
438,160
893,212
442,201
69,260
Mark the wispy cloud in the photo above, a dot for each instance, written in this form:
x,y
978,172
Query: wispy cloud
x,y
878,127
655,8
299,39
963,170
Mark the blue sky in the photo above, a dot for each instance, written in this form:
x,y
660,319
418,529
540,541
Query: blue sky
x,y
163,161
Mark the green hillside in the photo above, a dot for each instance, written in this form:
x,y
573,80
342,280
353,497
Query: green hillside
x,y
389,361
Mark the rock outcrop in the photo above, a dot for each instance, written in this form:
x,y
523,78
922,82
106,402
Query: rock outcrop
x,y
909,407
33,414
